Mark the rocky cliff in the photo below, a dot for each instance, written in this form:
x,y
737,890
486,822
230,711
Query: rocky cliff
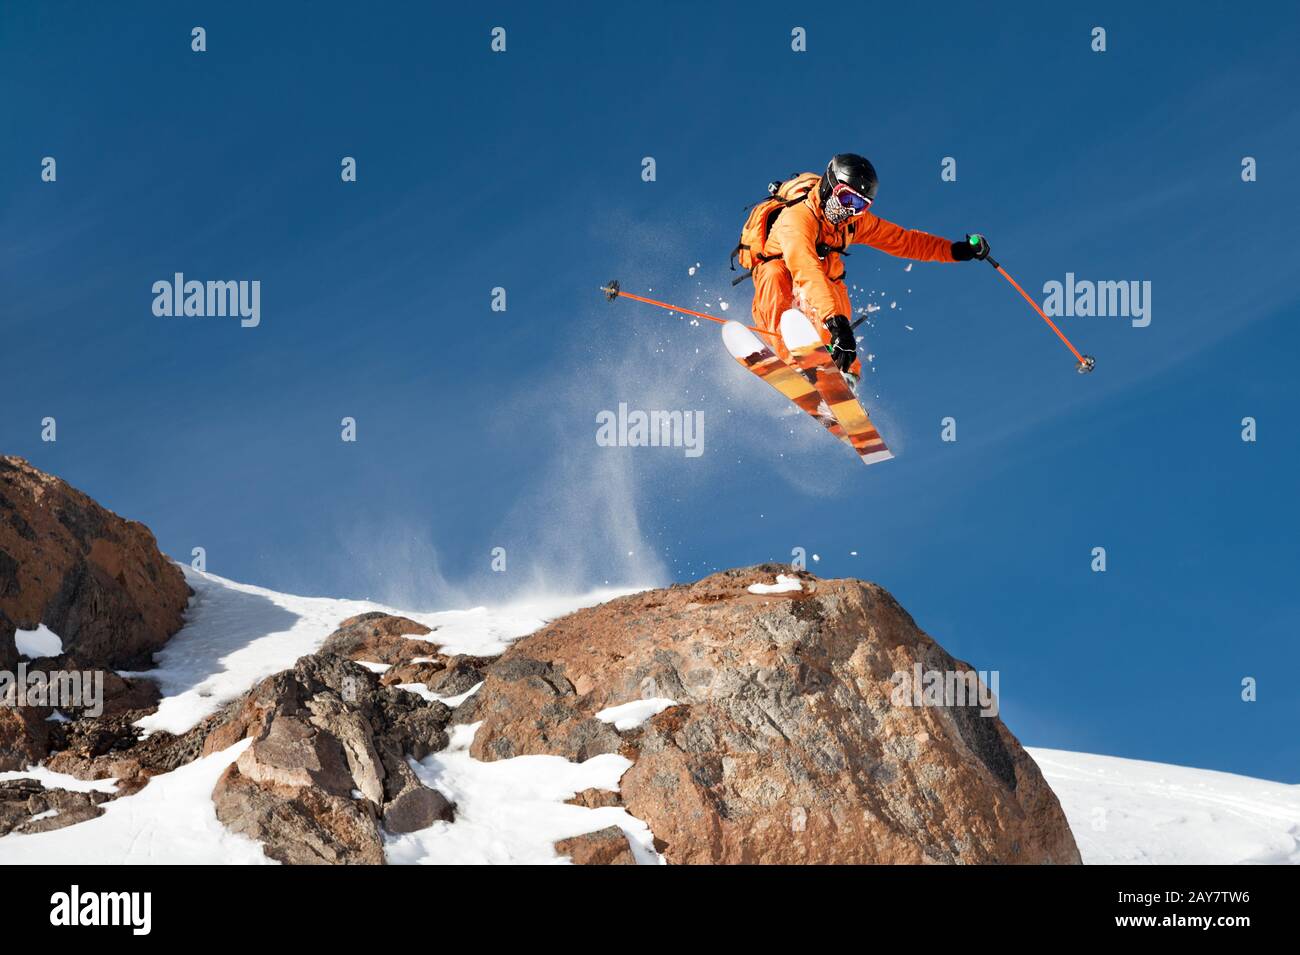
x,y
759,724
780,737
95,580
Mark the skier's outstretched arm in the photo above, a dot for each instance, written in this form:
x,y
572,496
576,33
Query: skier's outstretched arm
x,y
905,243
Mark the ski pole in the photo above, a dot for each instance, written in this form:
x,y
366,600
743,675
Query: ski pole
x,y
1086,362
613,291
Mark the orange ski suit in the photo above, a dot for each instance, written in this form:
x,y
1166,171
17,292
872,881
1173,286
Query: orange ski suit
x,y
804,269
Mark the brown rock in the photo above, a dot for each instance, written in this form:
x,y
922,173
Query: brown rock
x,y
460,675
89,739
24,736
251,714
23,803
530,706
445,676
415,806
785,745
595,799
381,638
19,790
424,673
295,754
299,826
328,762
110,747
121,694
607,846
96,580
27,734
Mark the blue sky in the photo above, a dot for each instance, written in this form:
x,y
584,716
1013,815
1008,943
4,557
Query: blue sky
x,y
522,170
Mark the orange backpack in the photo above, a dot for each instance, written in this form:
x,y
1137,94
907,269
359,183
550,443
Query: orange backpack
x,y
762,215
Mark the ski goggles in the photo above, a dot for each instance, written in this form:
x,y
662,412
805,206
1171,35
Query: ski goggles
x,y
850,200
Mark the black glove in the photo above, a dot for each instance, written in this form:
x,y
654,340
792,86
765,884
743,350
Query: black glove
x,y
974,247
844,347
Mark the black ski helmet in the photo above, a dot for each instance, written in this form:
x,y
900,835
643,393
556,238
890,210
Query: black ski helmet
x,y
854,171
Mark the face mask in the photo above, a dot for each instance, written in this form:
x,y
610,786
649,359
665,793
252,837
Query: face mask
x,y
843,204
835,211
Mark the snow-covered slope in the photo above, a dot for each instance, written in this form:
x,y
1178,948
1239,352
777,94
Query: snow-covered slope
x,y
513,810
171,821
237,634
1130,811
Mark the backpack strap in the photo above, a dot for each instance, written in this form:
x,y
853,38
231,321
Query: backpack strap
x,y
824,250
761,259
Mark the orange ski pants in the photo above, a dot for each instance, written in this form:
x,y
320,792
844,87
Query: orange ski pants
x,y
773,294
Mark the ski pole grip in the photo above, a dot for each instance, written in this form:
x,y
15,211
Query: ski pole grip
x,y
976,240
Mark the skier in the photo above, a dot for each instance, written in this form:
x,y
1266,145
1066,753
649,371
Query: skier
x,y
793,243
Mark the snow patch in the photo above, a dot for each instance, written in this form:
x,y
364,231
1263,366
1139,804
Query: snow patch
x,y
52,780
627,716
483,632
783,585
459,698
171,820
512,811
41,642
419,689
422,691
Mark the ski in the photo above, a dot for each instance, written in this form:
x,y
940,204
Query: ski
x,y
751,353
814,360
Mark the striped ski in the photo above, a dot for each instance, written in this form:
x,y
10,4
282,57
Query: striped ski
x,y
814,360
750,352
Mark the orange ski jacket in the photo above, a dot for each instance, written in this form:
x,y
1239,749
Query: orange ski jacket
x,y
811,247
